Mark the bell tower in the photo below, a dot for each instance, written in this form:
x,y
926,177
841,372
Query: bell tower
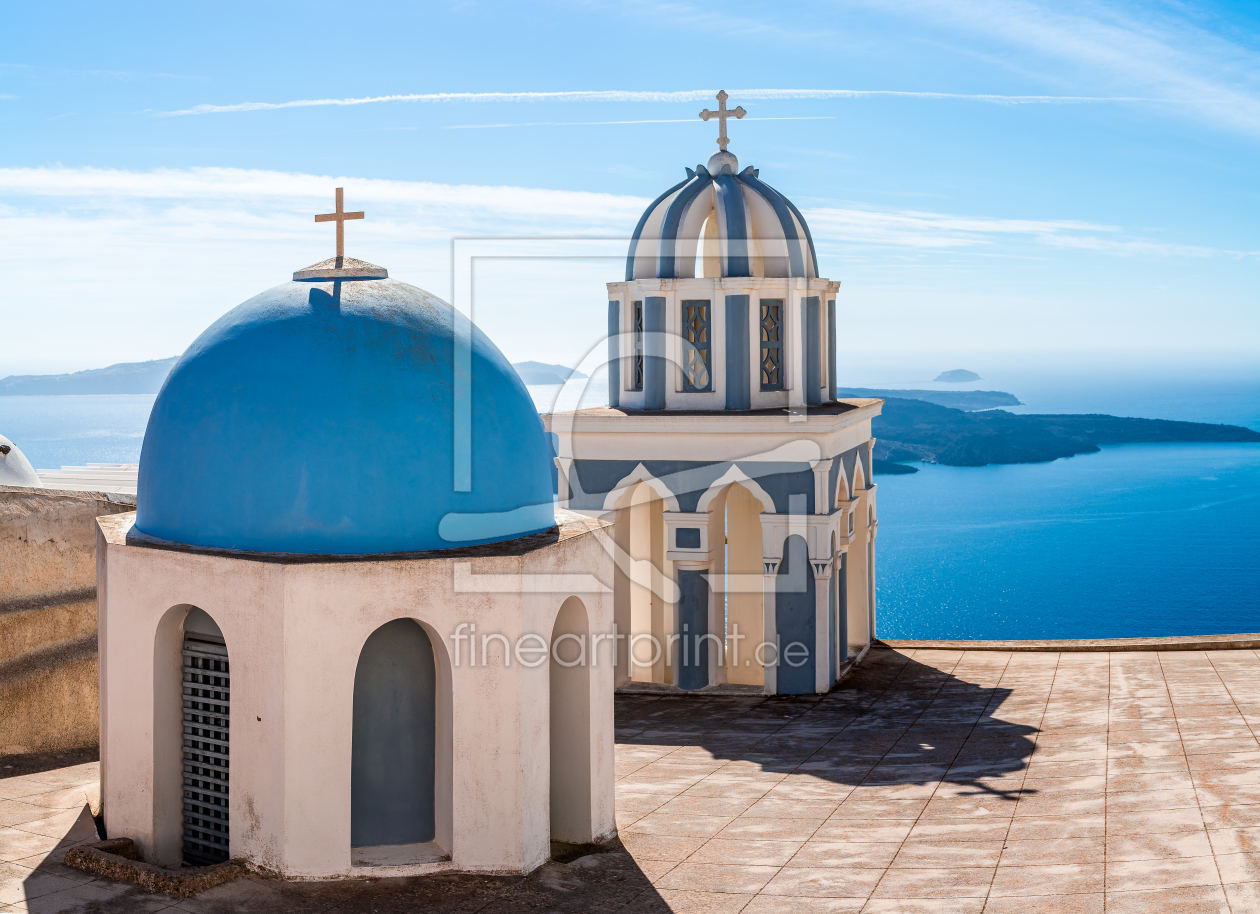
x,y
739,484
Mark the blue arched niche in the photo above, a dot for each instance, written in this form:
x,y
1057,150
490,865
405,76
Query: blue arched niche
x,y
794,613
393,750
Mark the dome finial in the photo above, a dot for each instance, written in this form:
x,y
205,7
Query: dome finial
x,y
340,268
722,114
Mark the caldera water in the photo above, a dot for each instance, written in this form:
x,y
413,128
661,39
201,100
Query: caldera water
x,y
1134,541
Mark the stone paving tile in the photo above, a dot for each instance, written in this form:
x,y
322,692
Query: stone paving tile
x,y
831,882
18,845
1051,851
1235,840
18,812
1157,821
928,853
19,883
1046,904
681,826
881,831
742,852
879,810
770,829
1237,868
924,906
862,854
1243,896
744,879
660,847
942,882
961,829
783,808
1157,847
1138,875
1191,900
1146,800
778,904
688,902
684,806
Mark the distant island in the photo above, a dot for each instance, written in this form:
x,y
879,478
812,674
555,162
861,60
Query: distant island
x,y
957,376
147,378
123,378
916,430
958,399
542,373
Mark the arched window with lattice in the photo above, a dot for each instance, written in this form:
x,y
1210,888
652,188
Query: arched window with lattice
x,y
697,334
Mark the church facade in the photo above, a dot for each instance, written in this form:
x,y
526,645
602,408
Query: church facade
x,y
738,485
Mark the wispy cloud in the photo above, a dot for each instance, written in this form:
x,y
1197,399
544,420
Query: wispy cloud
x,y
671,120
96,192
917,229
690,95
1161,49
942,231
259,202
142,262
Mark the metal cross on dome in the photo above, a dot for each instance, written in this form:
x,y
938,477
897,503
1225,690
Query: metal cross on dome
x,y
340,217
722,114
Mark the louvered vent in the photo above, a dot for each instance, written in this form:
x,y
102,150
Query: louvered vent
x,y
207,710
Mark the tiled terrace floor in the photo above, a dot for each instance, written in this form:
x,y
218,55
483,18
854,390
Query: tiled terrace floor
x,y
930,781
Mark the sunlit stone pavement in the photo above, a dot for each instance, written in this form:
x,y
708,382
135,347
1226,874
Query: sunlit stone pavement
x,y
935,781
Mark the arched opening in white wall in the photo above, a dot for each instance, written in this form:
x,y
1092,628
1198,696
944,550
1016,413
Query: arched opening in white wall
x,y
644,542
394,749
735,528
570,674
206,701
796,620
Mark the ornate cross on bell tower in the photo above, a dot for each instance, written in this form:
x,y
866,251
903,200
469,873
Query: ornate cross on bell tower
x,y
340,217
722,114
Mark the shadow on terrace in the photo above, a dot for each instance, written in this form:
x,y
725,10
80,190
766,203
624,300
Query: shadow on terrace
x,y
895,726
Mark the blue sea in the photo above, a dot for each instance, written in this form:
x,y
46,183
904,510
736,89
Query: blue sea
x,y
1135,541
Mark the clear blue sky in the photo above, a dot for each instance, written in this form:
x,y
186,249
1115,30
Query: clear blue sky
x,y
1007,176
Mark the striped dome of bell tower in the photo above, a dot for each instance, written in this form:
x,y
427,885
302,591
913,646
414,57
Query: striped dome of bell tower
x,y
721,222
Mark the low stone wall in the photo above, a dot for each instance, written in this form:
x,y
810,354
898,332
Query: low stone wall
x,y
48,667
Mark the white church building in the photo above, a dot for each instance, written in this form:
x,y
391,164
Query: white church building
x,y
353,630
326,634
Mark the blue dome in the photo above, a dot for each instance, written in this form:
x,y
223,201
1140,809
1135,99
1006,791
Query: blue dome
x,y
317,422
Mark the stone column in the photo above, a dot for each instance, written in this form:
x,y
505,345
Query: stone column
x,y
870,575
768,651
822,624
655,352
831,349
842,607
738,383
614,354
563,466
810,332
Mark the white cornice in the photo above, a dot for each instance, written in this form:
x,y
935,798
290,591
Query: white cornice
x,y
605,434
734,284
